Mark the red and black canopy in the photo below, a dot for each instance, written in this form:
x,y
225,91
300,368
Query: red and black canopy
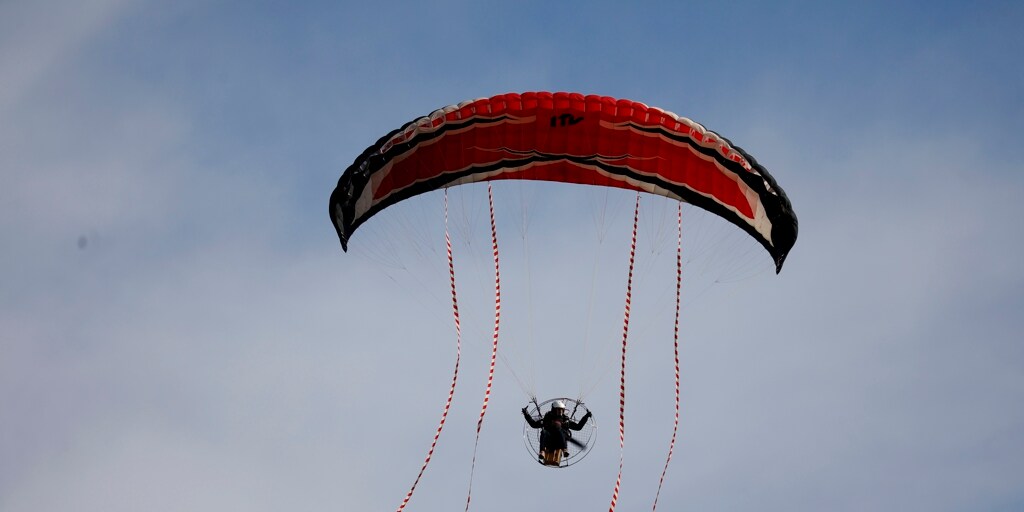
x,y
571,138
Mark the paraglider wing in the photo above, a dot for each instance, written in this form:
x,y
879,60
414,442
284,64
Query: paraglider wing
x,y
571,138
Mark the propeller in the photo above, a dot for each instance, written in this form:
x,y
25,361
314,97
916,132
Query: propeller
x,y
575,442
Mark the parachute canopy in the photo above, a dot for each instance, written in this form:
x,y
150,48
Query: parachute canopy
x,y
570,138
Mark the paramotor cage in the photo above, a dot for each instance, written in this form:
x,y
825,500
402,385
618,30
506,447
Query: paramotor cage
x,y
579,442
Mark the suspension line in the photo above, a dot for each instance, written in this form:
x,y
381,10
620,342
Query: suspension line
x,y
458,355
622,367
675,347
494,344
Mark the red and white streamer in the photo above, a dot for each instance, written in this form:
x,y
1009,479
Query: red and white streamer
x,y
494,344
622,369
458,355
675,348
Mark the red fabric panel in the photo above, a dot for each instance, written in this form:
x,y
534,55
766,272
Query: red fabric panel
x,y
511,126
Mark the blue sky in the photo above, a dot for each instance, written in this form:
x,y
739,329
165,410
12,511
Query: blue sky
x,y
179,329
